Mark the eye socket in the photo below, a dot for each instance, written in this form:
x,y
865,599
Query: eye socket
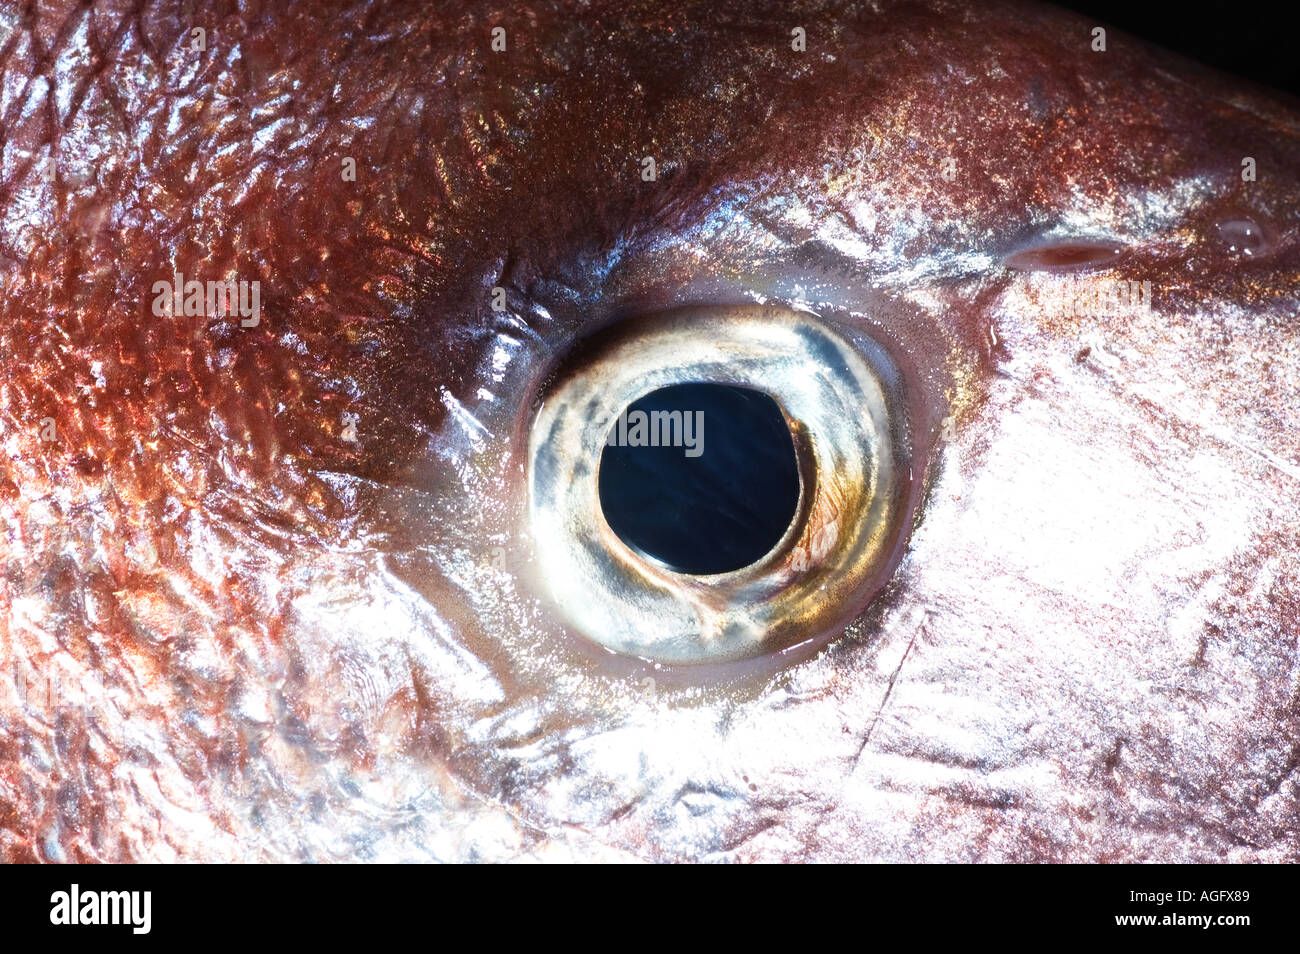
x,y
832,556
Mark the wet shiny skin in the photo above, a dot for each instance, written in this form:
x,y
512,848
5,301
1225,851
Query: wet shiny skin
x,y
274,642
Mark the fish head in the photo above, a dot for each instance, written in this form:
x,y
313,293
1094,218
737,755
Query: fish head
x,y
274,584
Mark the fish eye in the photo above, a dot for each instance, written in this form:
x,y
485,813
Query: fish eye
x,y
715,483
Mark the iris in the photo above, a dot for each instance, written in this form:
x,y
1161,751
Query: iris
x,y
714,483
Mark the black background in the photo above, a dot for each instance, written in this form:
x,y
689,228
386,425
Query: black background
x,y
1256,41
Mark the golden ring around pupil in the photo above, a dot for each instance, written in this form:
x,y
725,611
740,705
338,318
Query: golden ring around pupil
x,y
836,407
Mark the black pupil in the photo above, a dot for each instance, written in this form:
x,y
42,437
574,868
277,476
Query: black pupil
x,y
701,477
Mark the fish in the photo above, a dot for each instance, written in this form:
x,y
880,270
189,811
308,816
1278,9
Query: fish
x,y
271,587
